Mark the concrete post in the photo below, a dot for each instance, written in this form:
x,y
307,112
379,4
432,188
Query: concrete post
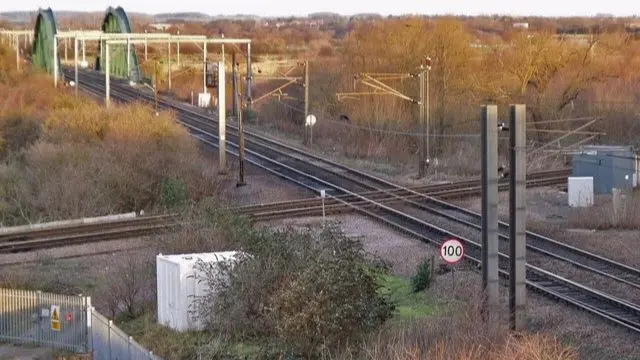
x,y
490,207
66,45
222,117
55,61
75,63
169,61
307,129
129,57
84,58
421,151
106,74
234,85
241,181
204,67
18,55
146,50
178,51
427,112
517,219
249,95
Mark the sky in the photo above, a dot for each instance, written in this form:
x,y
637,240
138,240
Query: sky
x,y
344,7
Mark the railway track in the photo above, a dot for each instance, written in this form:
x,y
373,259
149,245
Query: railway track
x,y
313,206
31,240
409,214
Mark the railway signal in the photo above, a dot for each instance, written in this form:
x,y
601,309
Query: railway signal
x,y
211,75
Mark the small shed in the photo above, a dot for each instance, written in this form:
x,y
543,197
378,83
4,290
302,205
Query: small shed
x,y
610,166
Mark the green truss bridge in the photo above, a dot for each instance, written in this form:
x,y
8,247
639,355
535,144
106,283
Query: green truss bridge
x,y
115,21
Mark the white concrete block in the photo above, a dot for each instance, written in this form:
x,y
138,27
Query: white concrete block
x,y
580,191
204,99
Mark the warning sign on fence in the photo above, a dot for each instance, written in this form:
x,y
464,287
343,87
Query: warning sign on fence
x,y
55,317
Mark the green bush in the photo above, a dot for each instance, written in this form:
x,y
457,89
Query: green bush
x,y
423,277
306,291
174,192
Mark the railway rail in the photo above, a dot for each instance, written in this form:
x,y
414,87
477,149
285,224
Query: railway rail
x,y
313,206
30,240
407,215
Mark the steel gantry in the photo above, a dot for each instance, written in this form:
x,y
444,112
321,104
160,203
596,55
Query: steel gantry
x,y
115,29
130,39
13,36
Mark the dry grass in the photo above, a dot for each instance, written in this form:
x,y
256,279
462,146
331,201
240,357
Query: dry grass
x,y
463,335
69,157
604,215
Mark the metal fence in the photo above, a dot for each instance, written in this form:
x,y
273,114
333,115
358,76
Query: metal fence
x,y
108,342
64,322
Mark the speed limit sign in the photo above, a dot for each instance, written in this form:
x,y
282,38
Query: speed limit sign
x,y
451,251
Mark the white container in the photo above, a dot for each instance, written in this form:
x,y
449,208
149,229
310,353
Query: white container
x,y
204,99
580,191
177,285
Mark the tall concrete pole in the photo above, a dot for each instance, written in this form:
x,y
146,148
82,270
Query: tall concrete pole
x,y
178,50
55,61
222,117
75,63
234,85
241,181
517,219
307,129
146,52
169,61
129,57
18,55
249,95
106,75
489,124
204,67
421,162
66,45
428,117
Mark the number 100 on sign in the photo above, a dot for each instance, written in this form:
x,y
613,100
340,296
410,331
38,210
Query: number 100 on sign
x,y
451,251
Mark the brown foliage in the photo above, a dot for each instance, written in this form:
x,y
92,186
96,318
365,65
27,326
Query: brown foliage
x,y
72,158
463,335
603,215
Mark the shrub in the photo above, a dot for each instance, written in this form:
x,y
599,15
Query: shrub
x,y
422,279
127,296
307,291
174,192
16,133
326,50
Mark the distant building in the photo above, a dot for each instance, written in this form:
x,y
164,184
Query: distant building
x,y
160,26
521,25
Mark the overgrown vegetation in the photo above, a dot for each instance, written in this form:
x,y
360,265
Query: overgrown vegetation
x,y
423,277
307,292
605,215
65,157
475,61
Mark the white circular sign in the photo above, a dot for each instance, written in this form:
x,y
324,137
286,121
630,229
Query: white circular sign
x,y
310,120
452,251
